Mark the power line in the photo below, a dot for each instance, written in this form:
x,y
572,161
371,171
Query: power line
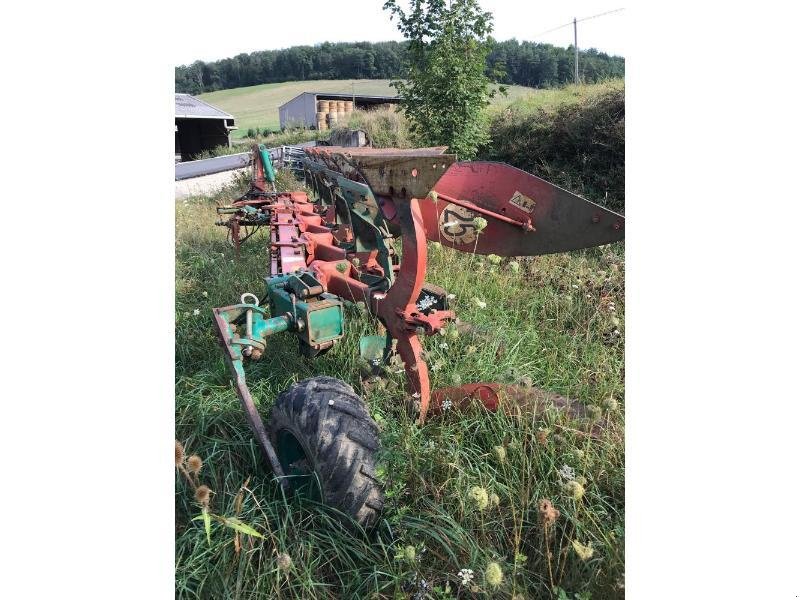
x,y
577,21
553,29
574,24
601,14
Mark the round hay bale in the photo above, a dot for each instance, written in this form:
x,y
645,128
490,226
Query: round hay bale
x,y
323,106
321,116
322,125
348,106
340,105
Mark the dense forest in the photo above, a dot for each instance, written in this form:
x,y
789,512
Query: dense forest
x,y
524,63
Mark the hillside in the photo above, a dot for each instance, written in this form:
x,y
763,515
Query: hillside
x,y
257,105
531,64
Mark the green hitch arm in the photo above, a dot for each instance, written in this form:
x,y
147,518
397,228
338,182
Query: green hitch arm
x,y
266,161
228,322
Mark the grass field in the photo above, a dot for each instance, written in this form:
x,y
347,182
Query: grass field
x,y
257,106
553,321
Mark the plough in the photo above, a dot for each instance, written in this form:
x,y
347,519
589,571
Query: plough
x,y
339,246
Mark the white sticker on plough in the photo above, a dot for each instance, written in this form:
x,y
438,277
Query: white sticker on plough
x,y
522,202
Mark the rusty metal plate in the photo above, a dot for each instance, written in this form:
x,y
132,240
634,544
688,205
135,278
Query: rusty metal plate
x,y
427,151
397,173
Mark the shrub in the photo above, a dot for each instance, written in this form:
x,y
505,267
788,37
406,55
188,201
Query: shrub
x,y
577,145
386,128
446,83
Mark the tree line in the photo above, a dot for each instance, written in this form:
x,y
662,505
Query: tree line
x,y
521,63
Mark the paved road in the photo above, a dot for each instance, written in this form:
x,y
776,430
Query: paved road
x,y
206,184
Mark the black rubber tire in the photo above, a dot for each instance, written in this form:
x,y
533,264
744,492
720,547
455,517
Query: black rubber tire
x,y
340,441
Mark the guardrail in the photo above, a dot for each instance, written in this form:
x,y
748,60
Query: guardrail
x,y
208,166
281,156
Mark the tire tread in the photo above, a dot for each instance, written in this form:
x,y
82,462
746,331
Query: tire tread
x,y
341,441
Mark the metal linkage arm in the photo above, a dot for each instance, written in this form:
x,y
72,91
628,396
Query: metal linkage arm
x,y
235,347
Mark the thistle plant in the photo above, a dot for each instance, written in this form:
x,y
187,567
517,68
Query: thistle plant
x,y
190,468
548,515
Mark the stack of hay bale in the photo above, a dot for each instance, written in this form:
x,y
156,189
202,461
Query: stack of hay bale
x,y
323,107
331,113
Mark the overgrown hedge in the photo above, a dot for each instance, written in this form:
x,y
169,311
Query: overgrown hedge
x,y
385,128
578,145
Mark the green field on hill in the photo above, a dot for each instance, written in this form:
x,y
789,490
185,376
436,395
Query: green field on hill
x,y
257,105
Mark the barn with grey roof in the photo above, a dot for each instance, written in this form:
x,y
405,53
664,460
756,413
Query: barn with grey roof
x,y
199,126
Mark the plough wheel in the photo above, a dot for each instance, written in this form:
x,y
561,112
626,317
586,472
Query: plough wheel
x,y
327,445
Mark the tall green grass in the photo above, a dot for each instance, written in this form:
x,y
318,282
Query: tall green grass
x,y
386,128
554,321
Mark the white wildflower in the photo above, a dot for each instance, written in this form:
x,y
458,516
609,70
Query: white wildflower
x,y
196,312
447,405
205,294
466,576
479,303
425,303
566,473
451,296
443,346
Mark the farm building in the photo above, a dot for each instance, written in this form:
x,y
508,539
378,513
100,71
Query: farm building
x,y
320,110
199,126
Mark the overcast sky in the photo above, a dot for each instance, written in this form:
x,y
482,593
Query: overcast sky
x,y
209,32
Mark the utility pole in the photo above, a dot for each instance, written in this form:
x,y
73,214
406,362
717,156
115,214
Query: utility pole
x,y
575,28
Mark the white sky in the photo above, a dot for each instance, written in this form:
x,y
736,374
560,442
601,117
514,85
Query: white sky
x,y
209,32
